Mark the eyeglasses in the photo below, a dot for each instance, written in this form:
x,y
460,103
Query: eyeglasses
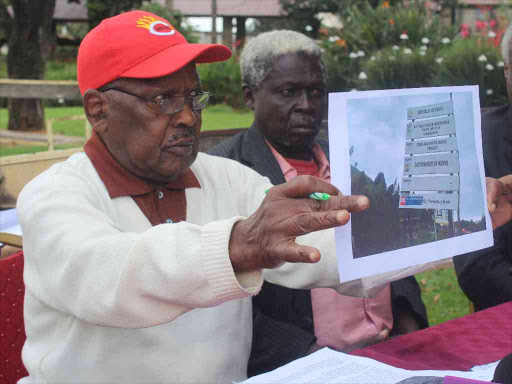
x,y
171,104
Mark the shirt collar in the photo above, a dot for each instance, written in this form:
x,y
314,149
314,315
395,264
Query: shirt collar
x,y
289,172
118,181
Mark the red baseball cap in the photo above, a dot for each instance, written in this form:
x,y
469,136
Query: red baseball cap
x,y
138,44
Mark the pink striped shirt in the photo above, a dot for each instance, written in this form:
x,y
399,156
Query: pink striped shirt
x,y
341,321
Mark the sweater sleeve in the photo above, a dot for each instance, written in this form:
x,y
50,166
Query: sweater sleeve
x,y
293,275
78,261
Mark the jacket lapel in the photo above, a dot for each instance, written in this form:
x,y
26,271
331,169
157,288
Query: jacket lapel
x,y
257,155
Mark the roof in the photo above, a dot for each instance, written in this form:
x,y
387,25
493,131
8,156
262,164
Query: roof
x,y
70,12
65,11
248,8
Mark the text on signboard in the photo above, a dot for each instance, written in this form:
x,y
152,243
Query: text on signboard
x,y
433,163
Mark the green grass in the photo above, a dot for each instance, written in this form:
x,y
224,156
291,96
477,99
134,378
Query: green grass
x,y
25,149
221,116
442,295
215,117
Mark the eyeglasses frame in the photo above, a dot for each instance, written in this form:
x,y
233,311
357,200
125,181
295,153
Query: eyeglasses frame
x,y
151,99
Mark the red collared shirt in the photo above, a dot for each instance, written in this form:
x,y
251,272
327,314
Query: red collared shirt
x,y
160,203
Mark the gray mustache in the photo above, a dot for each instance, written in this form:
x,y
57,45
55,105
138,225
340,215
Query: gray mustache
x,y
188,133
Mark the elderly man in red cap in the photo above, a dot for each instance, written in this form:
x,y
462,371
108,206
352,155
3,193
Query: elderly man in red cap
x,y
141,255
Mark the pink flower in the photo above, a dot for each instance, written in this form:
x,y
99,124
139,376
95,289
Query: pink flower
x,y
492,23
481,24
464,30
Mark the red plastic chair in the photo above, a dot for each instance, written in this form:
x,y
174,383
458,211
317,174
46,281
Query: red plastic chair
x,y
12,328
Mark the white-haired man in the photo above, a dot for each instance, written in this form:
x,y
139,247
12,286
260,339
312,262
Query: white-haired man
x,y
486,276
284,83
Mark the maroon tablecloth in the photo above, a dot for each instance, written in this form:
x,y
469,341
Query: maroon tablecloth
x,y
458,344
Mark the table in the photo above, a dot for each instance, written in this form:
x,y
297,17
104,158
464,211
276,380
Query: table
x,y
459,344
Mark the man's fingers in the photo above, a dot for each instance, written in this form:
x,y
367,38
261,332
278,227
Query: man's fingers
x,y
506,182
494,190
308,222
351,203
296,253
303,186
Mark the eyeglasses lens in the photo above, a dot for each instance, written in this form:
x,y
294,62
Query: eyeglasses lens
x,y
176,104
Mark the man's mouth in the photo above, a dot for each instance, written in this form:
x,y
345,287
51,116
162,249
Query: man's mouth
x,y
306,130
181,143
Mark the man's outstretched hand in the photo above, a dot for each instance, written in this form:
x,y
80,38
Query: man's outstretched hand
x,y
266,239
499,200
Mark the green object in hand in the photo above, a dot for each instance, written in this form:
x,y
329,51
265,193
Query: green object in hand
x,y
320,196
315,195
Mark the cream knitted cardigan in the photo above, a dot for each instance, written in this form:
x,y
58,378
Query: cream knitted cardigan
x,y
109,298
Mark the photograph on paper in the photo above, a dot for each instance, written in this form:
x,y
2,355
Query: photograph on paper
x,y
417,155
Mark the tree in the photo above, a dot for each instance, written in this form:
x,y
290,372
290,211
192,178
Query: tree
x,y
302,15
26,30
98,10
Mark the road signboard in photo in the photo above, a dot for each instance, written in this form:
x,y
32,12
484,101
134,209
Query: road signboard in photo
x,y
430,110
432,163
430,183
429,201
442,144
423,129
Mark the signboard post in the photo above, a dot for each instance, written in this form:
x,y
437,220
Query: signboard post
x,y
431,164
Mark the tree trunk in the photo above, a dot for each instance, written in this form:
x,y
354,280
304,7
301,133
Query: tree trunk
x,y
25,59
25,115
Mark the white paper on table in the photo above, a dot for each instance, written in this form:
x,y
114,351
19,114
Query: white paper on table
x,y
9,223
374,124
328,366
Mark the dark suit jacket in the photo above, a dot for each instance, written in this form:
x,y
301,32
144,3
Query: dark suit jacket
x,y
283,317
485,276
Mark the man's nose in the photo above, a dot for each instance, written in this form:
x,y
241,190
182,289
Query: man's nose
x,y
186,117
305,100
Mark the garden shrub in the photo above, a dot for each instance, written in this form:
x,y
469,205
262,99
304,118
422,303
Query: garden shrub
x,y
473,62
401,46
398,69
224,82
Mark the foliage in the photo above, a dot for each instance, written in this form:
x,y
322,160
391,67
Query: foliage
x,y
473,61
224,81
397,69
370,233
385,227
97,10
391,46
301,14
369,29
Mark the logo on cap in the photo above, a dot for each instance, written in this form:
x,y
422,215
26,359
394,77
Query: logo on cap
x,y
155,26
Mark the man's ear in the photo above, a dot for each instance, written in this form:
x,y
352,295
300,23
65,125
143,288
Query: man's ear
x,y
95,107
248,95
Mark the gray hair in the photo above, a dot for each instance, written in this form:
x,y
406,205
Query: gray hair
x,y
506,44
260,53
